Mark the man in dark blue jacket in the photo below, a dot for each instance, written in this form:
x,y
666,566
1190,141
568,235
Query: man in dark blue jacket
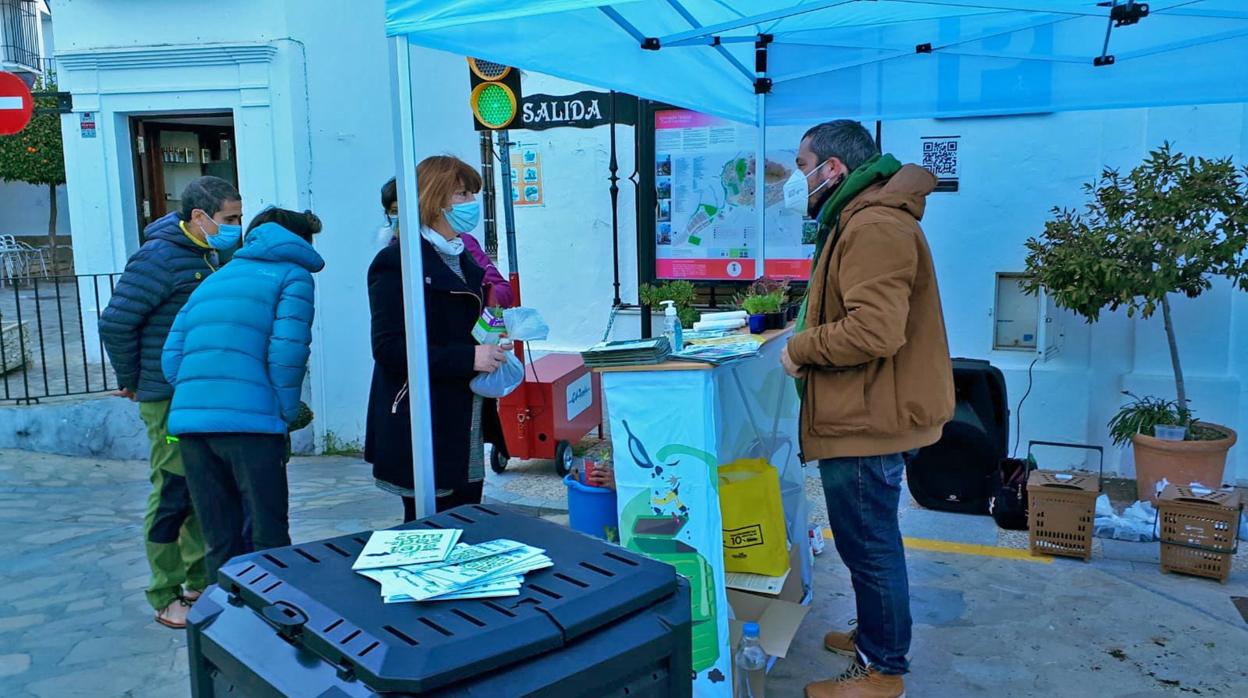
x,y
180,251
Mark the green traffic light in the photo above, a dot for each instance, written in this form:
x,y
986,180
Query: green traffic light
x,y
494,104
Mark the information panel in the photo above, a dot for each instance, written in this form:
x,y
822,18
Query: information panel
x,y
707,226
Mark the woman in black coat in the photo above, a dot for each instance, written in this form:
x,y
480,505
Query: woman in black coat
x,y
453,302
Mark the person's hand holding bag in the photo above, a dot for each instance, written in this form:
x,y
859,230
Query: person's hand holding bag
x,y
488,358
502,377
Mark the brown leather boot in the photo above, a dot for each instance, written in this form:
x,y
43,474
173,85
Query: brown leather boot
x,y
843,643
858,682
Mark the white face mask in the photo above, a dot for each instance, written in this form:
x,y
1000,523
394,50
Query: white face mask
x,y
796,193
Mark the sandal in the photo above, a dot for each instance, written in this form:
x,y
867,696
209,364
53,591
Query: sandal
x,y
174,615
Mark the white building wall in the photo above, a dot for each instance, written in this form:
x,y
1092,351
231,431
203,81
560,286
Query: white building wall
x,y
564,247
24,209
1013,171
308,84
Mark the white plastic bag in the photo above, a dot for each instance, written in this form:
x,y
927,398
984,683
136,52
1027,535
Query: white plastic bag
x,y
525,325
506,378
1137,523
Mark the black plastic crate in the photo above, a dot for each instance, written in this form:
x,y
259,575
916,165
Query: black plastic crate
x,y
299,621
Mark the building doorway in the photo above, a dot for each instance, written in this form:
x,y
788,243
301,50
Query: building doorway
x,y
171,150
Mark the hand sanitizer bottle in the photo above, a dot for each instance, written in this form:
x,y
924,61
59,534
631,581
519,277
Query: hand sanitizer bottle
x,y
672,328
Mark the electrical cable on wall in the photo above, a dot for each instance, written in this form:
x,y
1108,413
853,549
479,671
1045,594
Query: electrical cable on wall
x,y
1018,410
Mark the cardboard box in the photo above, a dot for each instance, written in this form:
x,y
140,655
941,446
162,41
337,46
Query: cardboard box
x,y
778,616
1199,526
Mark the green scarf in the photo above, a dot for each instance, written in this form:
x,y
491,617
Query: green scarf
x,y
877,169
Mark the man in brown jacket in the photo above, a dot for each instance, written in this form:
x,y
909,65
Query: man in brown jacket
x,y
872,363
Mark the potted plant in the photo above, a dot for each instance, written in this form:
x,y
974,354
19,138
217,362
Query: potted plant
x,y
682,293
772,295
1168,226
756,308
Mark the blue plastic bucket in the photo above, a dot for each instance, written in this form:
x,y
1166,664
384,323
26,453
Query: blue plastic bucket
x,y
591,510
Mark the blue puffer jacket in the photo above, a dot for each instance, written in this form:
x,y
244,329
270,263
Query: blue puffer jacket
x,y
238,351
157,281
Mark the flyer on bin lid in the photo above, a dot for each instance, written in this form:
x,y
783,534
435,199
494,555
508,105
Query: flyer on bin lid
x,y
496,574
525,559
408,547
500,588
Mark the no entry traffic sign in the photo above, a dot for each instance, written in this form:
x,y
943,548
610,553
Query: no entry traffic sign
x,y
16,104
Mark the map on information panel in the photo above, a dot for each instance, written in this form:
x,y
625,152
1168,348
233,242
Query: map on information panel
x,y
707,224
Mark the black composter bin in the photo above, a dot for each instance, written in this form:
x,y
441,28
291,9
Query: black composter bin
x,y
297,621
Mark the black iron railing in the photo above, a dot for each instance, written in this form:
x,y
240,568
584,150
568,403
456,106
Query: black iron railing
x,y
19,27
49,338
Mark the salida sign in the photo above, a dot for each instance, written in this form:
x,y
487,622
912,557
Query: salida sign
x,y
581,110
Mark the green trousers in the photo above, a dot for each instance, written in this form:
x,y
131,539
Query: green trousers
x,y
171,534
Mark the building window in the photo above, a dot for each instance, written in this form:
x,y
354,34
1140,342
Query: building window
x,y
1016,315
19,34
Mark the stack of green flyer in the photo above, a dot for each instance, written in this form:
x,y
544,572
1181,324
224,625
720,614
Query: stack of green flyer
x,y
486,570
627,352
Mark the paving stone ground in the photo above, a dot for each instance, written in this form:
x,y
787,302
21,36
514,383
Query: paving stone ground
x,y
73,620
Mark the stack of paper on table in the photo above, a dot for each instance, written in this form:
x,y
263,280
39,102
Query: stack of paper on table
x,y
627,352
722,351
486,570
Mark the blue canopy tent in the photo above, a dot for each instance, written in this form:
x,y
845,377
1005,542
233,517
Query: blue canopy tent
x,y
860,59
771,62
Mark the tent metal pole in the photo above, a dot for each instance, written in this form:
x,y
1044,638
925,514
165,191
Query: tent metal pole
x,y
623,23
760,156
712,29
723,52
509,210
413,272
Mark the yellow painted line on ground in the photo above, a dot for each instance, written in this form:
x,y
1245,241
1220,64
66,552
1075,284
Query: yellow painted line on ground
x,y
944,546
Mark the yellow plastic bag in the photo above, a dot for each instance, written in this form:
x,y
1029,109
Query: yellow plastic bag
x,y
753,518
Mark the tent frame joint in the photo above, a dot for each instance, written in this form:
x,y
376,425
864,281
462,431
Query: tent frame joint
x,y
762,84
1122,13
923,48
1128,13
651,43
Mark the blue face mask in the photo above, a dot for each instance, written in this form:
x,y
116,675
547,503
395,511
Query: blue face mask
x,y
227,236
463,218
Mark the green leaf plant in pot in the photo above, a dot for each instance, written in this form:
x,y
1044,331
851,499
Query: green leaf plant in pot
x,y
765,297
1167,227
682,293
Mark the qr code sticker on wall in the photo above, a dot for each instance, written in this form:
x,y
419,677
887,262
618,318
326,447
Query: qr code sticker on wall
x,y
940,157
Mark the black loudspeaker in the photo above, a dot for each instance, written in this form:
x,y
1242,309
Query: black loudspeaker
x,y
954,473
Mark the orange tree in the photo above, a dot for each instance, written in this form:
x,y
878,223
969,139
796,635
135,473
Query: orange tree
x,y
35,155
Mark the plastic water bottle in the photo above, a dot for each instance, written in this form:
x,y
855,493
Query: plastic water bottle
x,y
672,329
751,664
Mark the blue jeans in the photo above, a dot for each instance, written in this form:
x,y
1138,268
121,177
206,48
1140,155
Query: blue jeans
x,y
862,496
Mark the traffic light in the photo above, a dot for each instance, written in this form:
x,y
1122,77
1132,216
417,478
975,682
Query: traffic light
x,y
495,98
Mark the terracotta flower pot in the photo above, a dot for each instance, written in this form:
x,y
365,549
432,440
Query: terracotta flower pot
x,y
1180,462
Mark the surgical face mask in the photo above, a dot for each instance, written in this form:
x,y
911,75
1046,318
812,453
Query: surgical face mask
x,y
463,218
796,193
226,238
